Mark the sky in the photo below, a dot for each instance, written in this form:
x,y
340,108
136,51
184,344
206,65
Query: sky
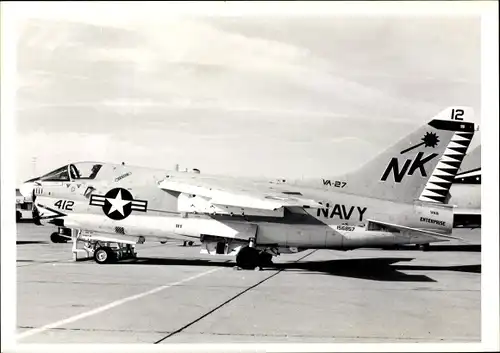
x,y
249,96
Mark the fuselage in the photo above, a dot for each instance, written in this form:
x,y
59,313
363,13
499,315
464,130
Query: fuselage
x,y
149,211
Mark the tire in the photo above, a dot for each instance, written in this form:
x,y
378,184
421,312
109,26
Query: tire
x,y
248,258
19,216
190,243
104,256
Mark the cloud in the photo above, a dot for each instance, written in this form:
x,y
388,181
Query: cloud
x,y
193,91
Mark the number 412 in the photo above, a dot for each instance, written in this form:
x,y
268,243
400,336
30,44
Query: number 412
x,y
65,205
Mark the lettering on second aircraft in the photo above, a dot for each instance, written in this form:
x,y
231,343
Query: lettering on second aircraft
x,y
432,221
341,211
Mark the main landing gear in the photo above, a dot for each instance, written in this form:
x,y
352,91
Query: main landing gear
x,y
250,258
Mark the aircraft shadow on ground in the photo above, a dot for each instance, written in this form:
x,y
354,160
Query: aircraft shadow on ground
x,y
377,269
28,242
25,220
448,248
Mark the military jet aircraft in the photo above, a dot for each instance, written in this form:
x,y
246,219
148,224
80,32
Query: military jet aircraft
x,y
397,198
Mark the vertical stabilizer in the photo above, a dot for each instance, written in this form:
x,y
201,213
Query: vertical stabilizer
x,y
420,166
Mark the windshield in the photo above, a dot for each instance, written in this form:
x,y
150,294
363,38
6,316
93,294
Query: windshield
x,y
84,170
77,171
60,174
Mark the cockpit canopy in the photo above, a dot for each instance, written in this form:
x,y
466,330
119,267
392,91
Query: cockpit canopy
x,y
76,171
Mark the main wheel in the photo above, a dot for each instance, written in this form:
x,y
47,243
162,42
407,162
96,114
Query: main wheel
x,y
248,258
190,243
104,256
19,215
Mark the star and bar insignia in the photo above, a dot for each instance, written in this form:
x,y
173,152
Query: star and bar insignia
x,y
118,203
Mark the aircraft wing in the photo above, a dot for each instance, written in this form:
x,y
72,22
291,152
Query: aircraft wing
x,y
237,193
421,231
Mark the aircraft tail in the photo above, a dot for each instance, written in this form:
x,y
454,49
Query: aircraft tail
x,y
422,165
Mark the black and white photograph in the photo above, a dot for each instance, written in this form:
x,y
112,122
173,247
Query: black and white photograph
x,y
212,174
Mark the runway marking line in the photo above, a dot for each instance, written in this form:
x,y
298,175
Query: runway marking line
x,y
110,306
227,302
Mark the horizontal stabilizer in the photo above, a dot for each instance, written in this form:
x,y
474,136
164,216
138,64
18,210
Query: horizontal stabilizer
x,y
421,231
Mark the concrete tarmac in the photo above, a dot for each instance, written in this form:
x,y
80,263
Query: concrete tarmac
x,y
173,294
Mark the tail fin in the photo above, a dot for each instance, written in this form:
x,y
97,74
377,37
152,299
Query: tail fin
x,y
420,166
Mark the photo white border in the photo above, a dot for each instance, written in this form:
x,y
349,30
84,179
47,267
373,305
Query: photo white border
x,y
13,12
